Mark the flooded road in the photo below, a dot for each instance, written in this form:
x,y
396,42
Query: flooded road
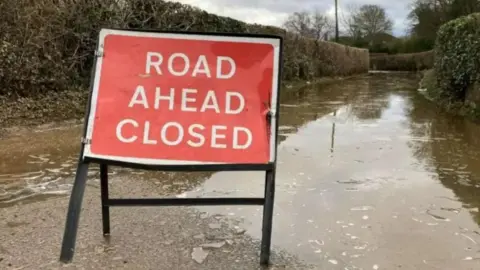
x,y
370,175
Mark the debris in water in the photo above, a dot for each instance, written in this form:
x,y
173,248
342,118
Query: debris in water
x,y
375,267
417,220
455,210
468,259
361,208
318,251
351,181
437,217
360,247
344,253
333,261
365,217
199,255
469,238
316,242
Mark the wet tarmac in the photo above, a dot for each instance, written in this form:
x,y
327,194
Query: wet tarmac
x,y
370,175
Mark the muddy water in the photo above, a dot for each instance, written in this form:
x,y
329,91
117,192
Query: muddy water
x,y
370,176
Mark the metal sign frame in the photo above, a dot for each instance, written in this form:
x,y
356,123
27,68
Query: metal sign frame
x,y
76,197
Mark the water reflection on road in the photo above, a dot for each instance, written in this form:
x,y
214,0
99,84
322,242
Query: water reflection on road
x,y
370,175
375,177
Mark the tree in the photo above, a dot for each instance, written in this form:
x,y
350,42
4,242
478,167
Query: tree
x,y
367,26
313,25
366,22
426,16
371,20
352,29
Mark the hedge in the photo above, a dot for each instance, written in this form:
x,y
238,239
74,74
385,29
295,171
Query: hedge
x,y
48,45
457,57
402,62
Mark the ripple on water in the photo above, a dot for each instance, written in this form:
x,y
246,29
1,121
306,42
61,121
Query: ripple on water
x,y
50,178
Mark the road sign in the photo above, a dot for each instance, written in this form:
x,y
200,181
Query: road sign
x,y
180,101
161,98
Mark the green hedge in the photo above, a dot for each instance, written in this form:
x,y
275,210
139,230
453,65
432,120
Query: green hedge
x,y
457,57
48,45
402,62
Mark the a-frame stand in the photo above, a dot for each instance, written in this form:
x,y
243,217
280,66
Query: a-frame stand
x,y
75,204
73,216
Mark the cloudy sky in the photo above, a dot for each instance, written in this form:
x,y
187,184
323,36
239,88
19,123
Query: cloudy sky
x,y
274,12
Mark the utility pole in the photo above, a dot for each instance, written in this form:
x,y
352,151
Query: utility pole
x,y
336,21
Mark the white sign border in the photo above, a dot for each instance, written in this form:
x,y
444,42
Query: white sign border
x,y
275,42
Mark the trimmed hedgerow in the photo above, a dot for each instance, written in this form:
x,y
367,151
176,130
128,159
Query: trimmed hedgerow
x,y
457,57
402,62
48,45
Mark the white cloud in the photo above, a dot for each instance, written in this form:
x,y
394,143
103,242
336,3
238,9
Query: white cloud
x,y
250,14
274,12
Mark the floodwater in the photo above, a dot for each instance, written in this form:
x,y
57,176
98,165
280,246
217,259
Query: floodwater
x,y
370,175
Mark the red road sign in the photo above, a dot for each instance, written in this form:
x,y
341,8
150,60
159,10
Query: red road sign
x,y
170,98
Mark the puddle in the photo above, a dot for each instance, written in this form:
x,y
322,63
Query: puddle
x,y
382,178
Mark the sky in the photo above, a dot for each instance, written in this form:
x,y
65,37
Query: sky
x,y
274,12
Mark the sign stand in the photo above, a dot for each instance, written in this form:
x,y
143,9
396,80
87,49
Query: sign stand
x,y
76,197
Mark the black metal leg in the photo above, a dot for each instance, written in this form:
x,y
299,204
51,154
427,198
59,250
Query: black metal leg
x,y
73,215
267,217
104,192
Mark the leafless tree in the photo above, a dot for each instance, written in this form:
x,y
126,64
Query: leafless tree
x,y
349,22
366,21
314,25
372,19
